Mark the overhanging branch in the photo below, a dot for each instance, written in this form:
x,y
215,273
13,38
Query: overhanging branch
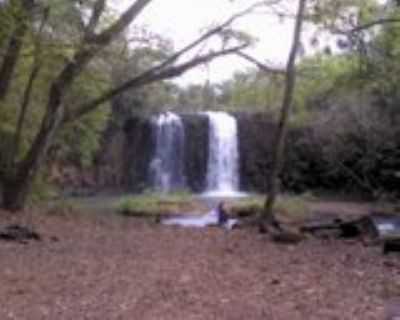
x,y
211,33
98,9
166,69
148,77
367,26
260,65
121,24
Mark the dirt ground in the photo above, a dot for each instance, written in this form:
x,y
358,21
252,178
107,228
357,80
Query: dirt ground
x,y
124,268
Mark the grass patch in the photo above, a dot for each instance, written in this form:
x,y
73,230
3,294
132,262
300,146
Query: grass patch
x,y
286,207
153,204
293,207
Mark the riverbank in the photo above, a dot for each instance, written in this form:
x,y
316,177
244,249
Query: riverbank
x,y
114,267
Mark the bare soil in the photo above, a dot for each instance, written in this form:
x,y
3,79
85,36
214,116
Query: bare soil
x,y
112,267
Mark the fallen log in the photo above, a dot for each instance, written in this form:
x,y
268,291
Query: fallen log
x,y
386,228
340,228
382,227
18,233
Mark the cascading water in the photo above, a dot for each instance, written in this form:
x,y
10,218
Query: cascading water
x,y
166,167
223,159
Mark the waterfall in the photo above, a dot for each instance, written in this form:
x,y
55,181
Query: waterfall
x,y
166,167
223,159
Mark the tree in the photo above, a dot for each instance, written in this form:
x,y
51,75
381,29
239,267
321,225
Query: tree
x,y
23,10
18,176
279,145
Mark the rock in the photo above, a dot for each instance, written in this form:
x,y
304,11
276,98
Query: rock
x,y
287,237
18,233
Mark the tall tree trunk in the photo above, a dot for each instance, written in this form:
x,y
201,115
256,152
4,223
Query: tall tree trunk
x,y
268,218
37,65
17,187
13,51
22,115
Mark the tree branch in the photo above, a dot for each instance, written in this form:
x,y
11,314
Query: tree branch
x,y
158,73
98,9
210,33
262,66
121,24
37,65
91,45
147,77
366,26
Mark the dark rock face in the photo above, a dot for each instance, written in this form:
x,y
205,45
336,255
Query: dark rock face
x,y
109,165
123,163
256,137
138,147
256,133
196,150
303,166
310,160
138,151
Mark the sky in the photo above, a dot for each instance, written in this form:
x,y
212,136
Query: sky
x,y
182,20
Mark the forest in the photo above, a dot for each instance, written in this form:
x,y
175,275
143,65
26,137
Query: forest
x,y
96,128
354,90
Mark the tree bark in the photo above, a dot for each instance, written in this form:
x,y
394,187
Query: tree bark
x,y
22,115
13,51
98,9
37,64
268,218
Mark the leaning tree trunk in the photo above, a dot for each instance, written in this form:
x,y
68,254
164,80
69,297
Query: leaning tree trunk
x,y
17,184
14,194
13,51
37,65
268,217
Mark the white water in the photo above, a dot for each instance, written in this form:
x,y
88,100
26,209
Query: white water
x,y
223,159
166,167
208,219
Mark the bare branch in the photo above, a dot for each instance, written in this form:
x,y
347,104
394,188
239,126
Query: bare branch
x,y
147,77
212,32
86,53
367,26
262,66
158,73
98,9
121,24
37,65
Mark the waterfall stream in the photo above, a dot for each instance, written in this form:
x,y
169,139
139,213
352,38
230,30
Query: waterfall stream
x,y
223,160
167,165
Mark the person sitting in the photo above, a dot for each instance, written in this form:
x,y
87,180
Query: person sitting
x,y
222,213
